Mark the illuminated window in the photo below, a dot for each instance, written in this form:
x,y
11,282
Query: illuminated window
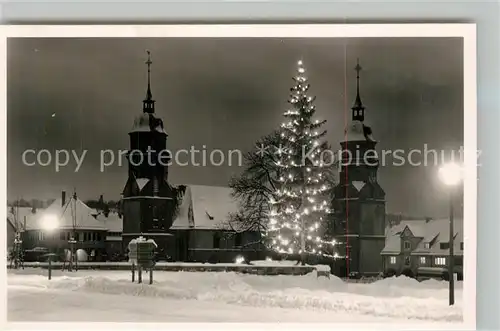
x,y
440,261
393,260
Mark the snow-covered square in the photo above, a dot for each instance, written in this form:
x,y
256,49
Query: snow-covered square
x,y
110,296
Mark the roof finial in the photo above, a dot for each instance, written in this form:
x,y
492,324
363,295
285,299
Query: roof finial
x,y
358,68
358,109
148,103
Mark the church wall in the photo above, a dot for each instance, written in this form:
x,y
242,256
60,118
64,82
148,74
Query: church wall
x,y
372,218
163,213
203,246
131,216
353,252
370,260
348,214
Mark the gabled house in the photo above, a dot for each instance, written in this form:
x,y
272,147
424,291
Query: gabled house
x,y
420,248
69,218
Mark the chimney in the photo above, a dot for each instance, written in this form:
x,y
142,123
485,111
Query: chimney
x,y
428,219
63,198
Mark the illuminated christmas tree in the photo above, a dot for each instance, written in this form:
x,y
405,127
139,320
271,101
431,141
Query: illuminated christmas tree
x,y
301,204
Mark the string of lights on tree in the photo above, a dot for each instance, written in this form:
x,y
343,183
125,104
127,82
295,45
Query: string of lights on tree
x,y
300,205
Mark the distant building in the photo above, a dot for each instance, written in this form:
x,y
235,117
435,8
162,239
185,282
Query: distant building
x,y
71,218
200,231
359,201
420,248
113,222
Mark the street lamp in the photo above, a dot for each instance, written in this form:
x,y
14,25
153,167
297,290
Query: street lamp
x,y
49,222
451,175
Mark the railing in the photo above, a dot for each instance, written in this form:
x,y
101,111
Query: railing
x,y
295,270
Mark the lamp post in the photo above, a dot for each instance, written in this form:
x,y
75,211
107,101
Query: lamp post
x,y
18,250
73,258
451,175
49,223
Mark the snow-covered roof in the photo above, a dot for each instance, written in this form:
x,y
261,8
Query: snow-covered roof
x,y
143,123
393,239
354,132
114,223
184,219
358,131
417,227
205,207
432,232
438,231
19,213
73,209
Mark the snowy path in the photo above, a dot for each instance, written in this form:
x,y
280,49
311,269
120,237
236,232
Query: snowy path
x,y
109,296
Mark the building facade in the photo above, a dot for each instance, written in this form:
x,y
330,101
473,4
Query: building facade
x,y
148,200
359,200
420,248
202,231
70,219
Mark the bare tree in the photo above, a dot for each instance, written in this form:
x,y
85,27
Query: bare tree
x,y
256,185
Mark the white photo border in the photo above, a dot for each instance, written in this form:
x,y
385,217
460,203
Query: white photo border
x,y
465,31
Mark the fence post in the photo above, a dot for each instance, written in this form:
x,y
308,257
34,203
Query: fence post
x,y
50,268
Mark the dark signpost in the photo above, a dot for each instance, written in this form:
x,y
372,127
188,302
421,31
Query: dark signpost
x,y
49,259
142,256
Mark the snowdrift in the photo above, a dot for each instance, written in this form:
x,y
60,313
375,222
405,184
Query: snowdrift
x,y
402,298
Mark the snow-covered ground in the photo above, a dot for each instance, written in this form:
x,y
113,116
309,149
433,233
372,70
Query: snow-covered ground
x,y
109,296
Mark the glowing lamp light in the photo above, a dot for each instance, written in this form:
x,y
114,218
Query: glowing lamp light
x,y
239,260
49,222
451,174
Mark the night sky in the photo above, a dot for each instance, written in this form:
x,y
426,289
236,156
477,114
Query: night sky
x,y
226,93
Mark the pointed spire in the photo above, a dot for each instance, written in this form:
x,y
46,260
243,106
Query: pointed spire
x,y
358,110
149,103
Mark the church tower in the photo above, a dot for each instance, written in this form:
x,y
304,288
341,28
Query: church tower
x,y
359,202
147,202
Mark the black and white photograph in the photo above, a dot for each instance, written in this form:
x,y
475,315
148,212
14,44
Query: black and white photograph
x,y
318,174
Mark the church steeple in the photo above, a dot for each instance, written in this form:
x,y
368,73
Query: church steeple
x,y
358,110
148,104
